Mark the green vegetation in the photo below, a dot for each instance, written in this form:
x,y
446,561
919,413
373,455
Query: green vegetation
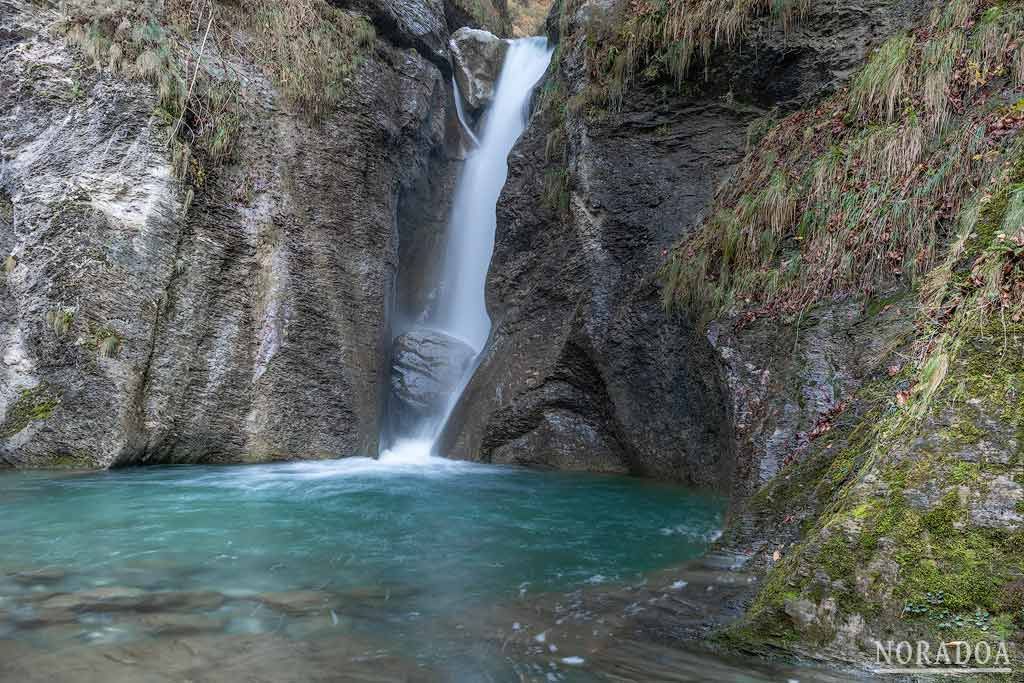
x,y
59,320
107,342
914,175
6,208
657,38
556,190
891,535
309,49
882,85
32,404
552,107
71,461
10,263
885,169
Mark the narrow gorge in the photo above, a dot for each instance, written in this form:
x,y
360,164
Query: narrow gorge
x,y
586,341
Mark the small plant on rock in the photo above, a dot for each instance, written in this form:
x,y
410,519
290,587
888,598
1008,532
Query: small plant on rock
x,y
108,342
59,320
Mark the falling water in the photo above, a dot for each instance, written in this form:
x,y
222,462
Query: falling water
x,y
461,113
460,313
463,313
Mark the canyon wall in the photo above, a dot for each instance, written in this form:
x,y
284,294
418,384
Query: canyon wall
x,y
777,249
162,302
586,369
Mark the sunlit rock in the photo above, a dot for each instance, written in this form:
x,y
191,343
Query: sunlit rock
x,y
477,57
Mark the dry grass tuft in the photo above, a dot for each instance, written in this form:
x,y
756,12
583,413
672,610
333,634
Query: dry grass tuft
x,y
59,320
310,50
882,84
668,38
860,193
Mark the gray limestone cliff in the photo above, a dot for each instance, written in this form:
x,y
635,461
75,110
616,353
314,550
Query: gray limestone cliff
x,y
785,263
240,314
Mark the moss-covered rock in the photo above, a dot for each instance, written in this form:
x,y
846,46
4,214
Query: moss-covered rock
x,y
33,404
915,523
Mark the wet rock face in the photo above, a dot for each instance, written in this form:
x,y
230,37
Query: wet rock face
x,y
477,56
427,366
251,326
585,368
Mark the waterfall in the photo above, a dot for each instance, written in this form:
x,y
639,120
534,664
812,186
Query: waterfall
x,y
460,112
433,362
463,313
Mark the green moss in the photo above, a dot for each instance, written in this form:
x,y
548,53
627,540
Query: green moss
x,y
6,208
967,569
556,195
31,405
965,432
766,620
841,468
964,473
878,304
862,511
950,574
71,461
834,557
943,517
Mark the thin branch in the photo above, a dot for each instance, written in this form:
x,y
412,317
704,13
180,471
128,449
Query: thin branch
x,y
195,76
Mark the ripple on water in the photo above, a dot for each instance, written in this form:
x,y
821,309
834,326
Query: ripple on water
x,y
396,551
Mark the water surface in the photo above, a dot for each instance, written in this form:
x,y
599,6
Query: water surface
x,y
412,560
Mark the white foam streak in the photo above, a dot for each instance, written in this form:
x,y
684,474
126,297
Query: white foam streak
x,y
462,114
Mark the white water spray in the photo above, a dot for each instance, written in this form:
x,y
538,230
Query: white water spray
x,y
461,113
461,311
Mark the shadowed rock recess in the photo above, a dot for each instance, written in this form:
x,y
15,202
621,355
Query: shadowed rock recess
x,y
585,369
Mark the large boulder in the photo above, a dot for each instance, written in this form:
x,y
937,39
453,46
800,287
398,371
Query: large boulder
x,y
477,57
427,367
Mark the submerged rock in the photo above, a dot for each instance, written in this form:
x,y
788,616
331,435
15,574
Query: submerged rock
x,y
107,598
116,598
299,602
477,57
45,575
172,624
